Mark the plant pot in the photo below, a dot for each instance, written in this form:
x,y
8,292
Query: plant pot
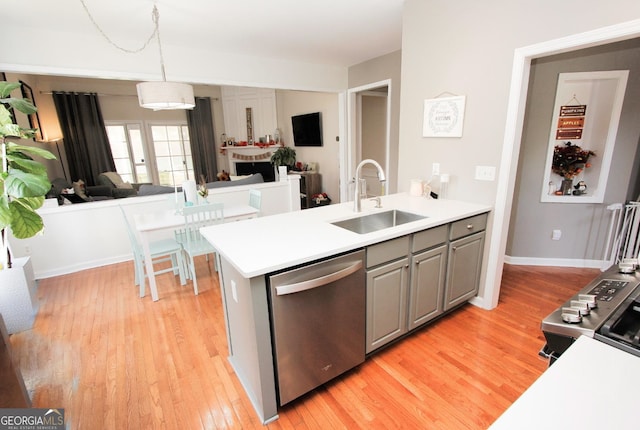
x,y
18,302
566,187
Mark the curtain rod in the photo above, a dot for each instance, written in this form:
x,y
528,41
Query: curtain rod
x,y
110,95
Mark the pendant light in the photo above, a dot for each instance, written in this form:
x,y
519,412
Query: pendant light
x,y
164,95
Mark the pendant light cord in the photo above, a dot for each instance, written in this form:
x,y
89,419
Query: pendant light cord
x,y
156,32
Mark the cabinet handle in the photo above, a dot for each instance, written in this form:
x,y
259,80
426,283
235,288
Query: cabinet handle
x,y
453,248
469,226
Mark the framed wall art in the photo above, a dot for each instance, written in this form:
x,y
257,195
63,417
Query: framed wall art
x,y
443,117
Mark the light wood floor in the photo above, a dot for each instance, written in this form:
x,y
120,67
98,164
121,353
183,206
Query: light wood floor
x,y
116,361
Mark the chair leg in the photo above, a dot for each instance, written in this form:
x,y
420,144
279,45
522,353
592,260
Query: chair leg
x,y
142,278
193,275
181,267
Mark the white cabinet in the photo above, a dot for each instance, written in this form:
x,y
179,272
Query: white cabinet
x,y
249,111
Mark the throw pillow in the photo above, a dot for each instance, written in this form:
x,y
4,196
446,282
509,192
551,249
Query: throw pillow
x,y
125,185
80,190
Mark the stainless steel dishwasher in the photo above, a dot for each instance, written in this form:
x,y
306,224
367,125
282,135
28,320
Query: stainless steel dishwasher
x,y
318,322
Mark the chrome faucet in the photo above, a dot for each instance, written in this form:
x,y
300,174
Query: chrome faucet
x,y
381,178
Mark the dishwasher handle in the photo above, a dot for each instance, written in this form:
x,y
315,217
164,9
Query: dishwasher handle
x,y
318,282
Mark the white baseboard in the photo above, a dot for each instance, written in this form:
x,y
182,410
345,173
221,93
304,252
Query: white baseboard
x,y
555,262
64,270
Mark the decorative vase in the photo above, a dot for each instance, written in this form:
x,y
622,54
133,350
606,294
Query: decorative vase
x,y
566,187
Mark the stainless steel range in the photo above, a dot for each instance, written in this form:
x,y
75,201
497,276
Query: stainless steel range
x,y
607,309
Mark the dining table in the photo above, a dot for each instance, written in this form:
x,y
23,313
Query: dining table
x,y
151,223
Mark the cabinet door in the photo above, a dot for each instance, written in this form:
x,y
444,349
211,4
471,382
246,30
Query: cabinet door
x,y
386,303
427,285
463,269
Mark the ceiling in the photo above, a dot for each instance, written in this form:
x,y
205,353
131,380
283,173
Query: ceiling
x,y
334,32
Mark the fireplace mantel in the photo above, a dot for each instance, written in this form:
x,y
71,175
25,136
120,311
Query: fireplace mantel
x,y
248,154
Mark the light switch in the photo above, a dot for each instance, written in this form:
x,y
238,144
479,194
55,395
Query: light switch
x,y
485,173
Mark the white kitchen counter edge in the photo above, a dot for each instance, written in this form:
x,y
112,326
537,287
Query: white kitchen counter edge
x,y
263,245
591,386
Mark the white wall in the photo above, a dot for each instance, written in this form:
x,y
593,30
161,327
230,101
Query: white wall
x,y
86,235
327,156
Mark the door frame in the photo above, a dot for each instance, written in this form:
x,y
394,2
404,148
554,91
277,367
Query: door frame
x,y
513,135
349,155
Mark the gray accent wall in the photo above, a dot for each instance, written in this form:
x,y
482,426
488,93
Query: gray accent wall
x,y
584,226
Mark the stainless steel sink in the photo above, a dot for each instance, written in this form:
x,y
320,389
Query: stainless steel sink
x,y
378,221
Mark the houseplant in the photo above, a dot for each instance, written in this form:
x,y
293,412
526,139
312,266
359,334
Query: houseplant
x,y
23,186
568,161
284,156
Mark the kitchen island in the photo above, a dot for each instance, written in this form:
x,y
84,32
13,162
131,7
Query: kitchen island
x,y
250,250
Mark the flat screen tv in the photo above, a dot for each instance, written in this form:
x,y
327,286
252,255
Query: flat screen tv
x,y
307,129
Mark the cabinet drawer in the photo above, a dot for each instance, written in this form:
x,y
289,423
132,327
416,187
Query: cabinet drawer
x,y
429,238
467,226
387,251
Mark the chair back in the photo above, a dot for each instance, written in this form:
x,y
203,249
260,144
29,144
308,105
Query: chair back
x,y
255,199
196,217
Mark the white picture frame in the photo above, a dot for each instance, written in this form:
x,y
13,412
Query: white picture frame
x,y
443,117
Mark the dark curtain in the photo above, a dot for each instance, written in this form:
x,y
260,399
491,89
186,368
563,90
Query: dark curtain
x,y
85,137
203,148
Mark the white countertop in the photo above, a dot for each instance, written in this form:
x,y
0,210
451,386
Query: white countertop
x,y
591,386
259,246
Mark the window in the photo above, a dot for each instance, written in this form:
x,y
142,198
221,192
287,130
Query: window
x,y
163,159
127,148
172,150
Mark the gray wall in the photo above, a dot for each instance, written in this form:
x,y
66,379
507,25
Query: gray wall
x,y
375,70
584,226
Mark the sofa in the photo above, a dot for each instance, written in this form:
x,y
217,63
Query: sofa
x,y
77,192
110,190
149,190
119,188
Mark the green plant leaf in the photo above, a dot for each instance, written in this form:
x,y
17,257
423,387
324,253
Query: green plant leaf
x,y
23,184
5,214
7,87
23,105
27,165
32,150
25,221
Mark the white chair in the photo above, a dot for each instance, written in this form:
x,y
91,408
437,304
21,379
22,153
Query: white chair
x,y
161,251
193,243
255,199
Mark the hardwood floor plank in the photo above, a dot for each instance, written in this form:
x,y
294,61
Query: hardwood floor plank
x,y
115,360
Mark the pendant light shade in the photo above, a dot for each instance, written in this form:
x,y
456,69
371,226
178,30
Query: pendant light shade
x,y
163,95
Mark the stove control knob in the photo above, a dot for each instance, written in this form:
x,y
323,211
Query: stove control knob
x,y
591,299
571,315
583,307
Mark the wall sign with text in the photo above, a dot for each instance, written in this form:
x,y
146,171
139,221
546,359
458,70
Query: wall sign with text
x,y
443,117
571,122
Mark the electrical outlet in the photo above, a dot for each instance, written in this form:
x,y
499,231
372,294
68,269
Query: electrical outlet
x,y
556,234
435,169
485,173
234,291
27,250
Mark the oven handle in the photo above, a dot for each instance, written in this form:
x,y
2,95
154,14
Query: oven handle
x,y
318,282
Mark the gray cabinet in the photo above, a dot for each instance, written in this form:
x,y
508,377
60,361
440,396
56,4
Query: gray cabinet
x,y
387,283
464,260
428,269
413,279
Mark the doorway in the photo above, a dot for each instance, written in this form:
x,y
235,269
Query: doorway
x,y
513,134
368,136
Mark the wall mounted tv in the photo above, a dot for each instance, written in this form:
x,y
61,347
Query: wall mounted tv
x,y
307,129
